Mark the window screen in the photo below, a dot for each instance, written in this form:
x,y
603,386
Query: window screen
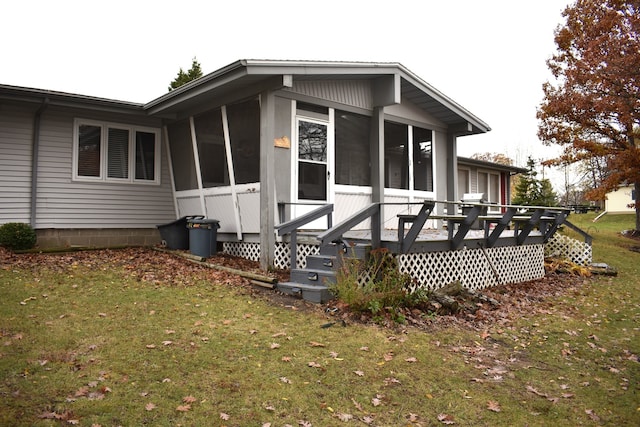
x,y
117,153
353,153
89,150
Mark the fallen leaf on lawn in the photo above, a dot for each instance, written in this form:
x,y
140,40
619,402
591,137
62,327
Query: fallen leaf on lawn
x,y
357,405
485,334
150,406
367,419
316,344
198,323
412,417
567,395
286,359
494,406
359,373
266,424
536,392
166,380
279,334
592,415
314,365
344,417
388,356
224,416
446,419
274,345
102,314
183,408
333,355
364,348
189,399
150,346
411,360
303,423
285,380
167,342
169,331
376,402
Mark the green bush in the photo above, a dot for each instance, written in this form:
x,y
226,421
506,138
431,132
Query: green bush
x,y
17,236
376,286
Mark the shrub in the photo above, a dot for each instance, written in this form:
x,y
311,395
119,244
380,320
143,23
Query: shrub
x,y
375,285
17,236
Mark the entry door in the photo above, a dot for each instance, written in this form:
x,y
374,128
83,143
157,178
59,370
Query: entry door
x,y
313,167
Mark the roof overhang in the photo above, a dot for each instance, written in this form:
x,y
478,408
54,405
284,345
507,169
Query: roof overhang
x,y
490,165
64,99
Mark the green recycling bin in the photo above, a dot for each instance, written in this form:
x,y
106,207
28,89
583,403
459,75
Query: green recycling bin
x,y
203,236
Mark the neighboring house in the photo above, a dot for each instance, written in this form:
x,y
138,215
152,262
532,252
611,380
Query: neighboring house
x,y
254,144
491,179
618,201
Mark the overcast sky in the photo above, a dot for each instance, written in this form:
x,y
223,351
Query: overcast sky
x,y
487,55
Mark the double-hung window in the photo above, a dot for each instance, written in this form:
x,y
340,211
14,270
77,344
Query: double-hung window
x,y
115,152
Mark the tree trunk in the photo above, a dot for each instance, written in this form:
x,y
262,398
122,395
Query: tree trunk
x,y
636,187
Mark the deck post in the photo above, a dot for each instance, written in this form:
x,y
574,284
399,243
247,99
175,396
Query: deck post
x,y
267,180
377,173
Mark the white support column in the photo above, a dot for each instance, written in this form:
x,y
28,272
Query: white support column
x,y
196,160
232,176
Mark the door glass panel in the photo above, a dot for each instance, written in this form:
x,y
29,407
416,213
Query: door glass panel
x,y
312,160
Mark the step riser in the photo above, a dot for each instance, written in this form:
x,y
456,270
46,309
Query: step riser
x,y
313,277
323,262
315,294
357,251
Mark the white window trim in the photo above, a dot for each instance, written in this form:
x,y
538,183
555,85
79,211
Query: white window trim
x,y
104,127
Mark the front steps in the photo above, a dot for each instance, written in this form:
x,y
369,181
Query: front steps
x,y
312,283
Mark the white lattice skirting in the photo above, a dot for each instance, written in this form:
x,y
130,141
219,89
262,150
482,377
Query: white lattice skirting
x,y
561,246
474,269
282,253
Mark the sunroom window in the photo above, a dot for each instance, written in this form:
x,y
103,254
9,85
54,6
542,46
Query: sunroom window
x,y
408,157
116,152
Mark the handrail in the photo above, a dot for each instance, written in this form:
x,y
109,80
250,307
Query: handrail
x,y
293,225
588,238
372,211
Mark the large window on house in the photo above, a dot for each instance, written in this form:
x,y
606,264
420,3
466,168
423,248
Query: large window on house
x,y
353,152
211,149
116,152
463,182
244,133
408,154
489,184
181,147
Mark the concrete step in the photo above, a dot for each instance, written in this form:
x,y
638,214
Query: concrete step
x,y
318,294
309,276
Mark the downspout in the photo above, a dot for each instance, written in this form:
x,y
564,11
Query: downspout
x,y
35,148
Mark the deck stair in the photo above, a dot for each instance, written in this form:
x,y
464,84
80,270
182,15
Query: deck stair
x,y
312,282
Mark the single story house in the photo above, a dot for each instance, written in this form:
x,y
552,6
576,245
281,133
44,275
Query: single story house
x,y
620,200
255,145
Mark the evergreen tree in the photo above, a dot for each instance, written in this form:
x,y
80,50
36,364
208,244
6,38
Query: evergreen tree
x,y
530,191
182,78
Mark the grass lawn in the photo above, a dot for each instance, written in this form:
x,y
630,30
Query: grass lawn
x,y
139,337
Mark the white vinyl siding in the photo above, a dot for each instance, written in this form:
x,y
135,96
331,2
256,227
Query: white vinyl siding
x,y
15,163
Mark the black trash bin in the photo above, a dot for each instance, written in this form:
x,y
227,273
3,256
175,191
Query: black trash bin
x,y
175,235
203,236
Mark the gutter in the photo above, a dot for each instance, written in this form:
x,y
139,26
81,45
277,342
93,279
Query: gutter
x,y
34,158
